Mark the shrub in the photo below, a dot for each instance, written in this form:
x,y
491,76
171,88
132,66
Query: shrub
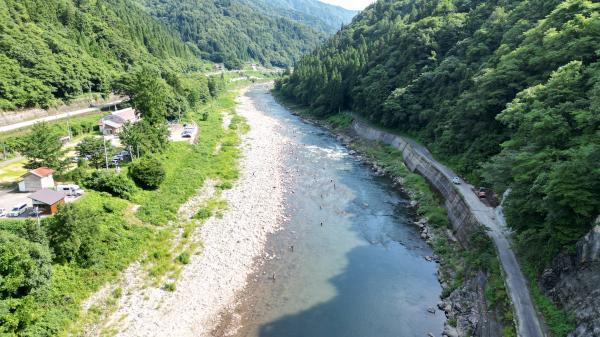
x,y
169,286
184,257
74,235
203,214
116,184
24,265
226,185
148,173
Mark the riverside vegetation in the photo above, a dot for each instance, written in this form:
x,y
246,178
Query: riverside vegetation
x,y
457,264
505,92
52,267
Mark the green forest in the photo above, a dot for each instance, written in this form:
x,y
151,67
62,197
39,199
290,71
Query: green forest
x,y
315,14
232,32
61,49
54,51
506,92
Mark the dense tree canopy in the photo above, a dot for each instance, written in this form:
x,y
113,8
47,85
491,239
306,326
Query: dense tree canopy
x,y
231,31
60,49
42,147
510,85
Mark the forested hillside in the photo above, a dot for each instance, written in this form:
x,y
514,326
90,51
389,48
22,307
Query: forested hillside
x,y
59,49
234,31
314,13
505,91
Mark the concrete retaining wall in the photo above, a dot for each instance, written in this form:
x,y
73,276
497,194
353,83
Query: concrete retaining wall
x,y
416,158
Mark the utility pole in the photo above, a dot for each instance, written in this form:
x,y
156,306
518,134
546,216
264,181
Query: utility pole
x,y
105,153
69,126
37,214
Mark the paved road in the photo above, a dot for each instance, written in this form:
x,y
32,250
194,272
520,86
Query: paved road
x,y
53,117
527,320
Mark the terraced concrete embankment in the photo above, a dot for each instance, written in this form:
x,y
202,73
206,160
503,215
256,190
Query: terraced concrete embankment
x,y
467,214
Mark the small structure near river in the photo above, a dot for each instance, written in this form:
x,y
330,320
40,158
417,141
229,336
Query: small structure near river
x,y
36,180
46,201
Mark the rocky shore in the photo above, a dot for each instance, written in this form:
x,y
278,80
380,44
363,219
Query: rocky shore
x,y
464,306
230,244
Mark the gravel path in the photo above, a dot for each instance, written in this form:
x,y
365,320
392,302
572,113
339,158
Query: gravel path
x,y
208,284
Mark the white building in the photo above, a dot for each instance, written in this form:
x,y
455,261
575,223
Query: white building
x,y
37,179
113,124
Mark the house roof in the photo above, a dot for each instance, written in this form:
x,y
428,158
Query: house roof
x,y
47,196
113,124
119,118
40,172
127,115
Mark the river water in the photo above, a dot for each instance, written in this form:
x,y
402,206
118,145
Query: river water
x,y
347,262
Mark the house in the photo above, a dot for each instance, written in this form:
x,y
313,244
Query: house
x,y
113,124
47,201
37,179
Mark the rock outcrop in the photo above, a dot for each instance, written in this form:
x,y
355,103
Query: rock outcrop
x,y
467,311
573,282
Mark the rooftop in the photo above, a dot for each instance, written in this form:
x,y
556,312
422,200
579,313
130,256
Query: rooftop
x,y
40,172
47,196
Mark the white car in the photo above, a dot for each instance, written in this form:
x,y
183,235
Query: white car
x,y
70,190
18,210
456,181
3,212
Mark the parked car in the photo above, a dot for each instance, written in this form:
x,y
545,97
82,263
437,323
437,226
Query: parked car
x,y
3,212
186,135
481,193
18,210
456,181
70,190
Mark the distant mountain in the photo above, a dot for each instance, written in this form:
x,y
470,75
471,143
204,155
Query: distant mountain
x,y
231,31
272,32
328,18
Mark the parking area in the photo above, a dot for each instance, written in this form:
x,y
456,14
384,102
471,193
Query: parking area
x,y
10,198
183,133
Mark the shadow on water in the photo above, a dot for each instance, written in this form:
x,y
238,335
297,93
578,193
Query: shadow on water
x,y
357,266
355,310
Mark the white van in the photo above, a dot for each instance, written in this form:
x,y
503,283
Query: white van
x,y
18,210
70,190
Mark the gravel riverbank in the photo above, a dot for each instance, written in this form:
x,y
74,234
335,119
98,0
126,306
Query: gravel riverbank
x,y
231,244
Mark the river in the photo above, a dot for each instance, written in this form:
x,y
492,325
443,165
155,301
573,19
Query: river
x,y
347,261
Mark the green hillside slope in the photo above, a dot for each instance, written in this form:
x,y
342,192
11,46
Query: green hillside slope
x,y
58,49
313,13
505,91
232,32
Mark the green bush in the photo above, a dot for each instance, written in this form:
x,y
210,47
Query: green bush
x,y
148,173
105,181
74,235
24,265
203,214
184,257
